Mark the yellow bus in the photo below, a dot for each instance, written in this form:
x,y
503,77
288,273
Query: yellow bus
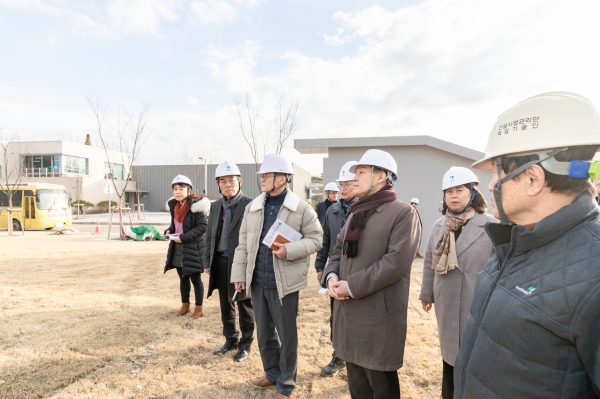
x,y
43,206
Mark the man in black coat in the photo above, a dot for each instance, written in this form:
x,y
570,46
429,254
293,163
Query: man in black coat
x,y
331,192
222,238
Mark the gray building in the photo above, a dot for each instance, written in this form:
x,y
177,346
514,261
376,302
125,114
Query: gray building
x,y
422,162
154,182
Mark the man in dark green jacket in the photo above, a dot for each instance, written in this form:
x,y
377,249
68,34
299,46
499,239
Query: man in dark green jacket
x,y
534,327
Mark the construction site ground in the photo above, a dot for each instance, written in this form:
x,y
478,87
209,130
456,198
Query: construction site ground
x,y
82,316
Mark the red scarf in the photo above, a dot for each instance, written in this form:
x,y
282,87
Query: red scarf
x,y
358,219
180,211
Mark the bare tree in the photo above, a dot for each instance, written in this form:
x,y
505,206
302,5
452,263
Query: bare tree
x,y
250,133
131,130
261,143
286,122
11,174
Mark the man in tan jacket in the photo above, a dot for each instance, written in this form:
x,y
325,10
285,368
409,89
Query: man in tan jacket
x,y
369,276
273,278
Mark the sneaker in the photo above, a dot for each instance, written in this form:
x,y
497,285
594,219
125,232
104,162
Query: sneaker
x,y
260,382
334,367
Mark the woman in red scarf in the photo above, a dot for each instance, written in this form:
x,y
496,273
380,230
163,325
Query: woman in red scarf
x,y
188,225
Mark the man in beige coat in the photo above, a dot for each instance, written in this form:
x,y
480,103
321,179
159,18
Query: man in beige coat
x,y
274,277
369,276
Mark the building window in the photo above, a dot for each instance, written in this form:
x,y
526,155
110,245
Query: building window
x,y
117,170
54,165
42,165
75,165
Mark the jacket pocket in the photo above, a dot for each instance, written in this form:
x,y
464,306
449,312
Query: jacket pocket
x,y
295,272
380,305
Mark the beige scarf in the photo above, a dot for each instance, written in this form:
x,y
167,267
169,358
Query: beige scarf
x,y
444,254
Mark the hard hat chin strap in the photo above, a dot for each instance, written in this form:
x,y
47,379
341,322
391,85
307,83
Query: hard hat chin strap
x,y
473,195
372,181
511,175
389,177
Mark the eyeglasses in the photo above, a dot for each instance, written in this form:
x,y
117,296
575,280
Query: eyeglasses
x,y
266,176
345,184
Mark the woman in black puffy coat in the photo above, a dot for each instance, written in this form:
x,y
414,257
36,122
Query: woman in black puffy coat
x,y
188,225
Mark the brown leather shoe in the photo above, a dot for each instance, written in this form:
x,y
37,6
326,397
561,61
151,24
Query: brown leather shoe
x,y
282,396
260,382
185,308
197,312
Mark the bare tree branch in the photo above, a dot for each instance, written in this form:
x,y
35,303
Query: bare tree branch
x,y
250,135
286,122
132,132
12,171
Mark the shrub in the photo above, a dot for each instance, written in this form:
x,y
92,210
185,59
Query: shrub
x,y
104,204
86,204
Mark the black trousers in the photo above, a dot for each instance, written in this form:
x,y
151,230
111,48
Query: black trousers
x,y
447,381
372,384
185,287
246,312
331,324
277,336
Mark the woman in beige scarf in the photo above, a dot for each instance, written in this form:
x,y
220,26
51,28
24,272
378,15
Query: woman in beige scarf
x,y
457,249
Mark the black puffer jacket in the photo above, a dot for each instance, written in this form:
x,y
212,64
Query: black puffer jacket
x,y
194,227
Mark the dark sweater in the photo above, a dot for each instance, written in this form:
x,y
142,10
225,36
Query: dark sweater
x,y
264,273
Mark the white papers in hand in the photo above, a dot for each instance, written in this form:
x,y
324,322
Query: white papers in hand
x,y
281,233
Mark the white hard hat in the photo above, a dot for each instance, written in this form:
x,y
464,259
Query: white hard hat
x,y
181,179
378,158
276,163
551,120
457,176
345,174
414,201
332,187
227,168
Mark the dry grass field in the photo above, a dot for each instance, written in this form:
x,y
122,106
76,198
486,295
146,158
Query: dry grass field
x,y
82,317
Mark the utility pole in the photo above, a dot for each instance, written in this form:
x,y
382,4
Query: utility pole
x,y
205,175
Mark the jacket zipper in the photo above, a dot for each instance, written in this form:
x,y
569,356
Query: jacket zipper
x,y
266,253
499,272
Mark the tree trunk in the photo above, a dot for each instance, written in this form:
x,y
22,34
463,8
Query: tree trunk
x,y
121,232
138,204
10,227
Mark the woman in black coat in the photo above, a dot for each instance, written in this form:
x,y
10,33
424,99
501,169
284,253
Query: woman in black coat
x,y
188,225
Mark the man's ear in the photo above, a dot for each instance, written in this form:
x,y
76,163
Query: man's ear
x,y
240,179
535,178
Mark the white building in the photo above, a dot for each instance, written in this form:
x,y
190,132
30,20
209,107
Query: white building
x,y
82,169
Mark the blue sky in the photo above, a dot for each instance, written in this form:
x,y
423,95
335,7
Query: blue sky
x,y
446,68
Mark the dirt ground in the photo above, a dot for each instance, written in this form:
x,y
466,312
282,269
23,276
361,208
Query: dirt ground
x,y
84,317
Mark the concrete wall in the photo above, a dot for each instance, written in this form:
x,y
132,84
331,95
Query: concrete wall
x,y
301,183
420,172
156,180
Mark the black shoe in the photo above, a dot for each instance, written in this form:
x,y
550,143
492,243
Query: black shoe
x,y
240,356
225,348
334,367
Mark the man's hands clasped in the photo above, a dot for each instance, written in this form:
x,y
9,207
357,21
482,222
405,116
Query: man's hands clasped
x,y
338,289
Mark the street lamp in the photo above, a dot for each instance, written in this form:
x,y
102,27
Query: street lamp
x,y
205,175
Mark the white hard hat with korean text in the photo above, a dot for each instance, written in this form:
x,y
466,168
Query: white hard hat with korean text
x,y
558,119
